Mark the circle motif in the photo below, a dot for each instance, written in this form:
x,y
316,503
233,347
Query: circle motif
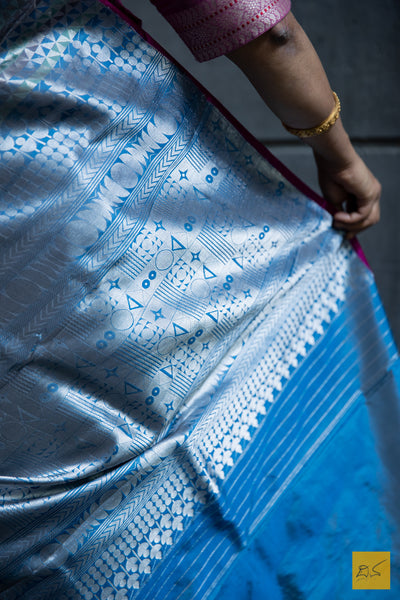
x,y
200,288
121,319
164,259
167,345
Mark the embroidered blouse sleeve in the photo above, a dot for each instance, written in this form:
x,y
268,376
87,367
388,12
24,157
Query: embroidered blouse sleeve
x,y
214,27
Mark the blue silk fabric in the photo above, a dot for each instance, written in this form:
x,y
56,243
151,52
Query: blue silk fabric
x,y
199,389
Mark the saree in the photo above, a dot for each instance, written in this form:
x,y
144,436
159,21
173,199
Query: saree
x,y
199,388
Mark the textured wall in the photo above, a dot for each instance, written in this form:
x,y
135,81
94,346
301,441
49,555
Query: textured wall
x,y
360,50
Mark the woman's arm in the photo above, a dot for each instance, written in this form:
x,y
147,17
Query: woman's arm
x,y
286,71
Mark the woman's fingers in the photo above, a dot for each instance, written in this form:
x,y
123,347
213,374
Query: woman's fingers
x,y
355,192
359,219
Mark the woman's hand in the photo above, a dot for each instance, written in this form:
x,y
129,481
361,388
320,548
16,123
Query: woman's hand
x,y
286,71
353,191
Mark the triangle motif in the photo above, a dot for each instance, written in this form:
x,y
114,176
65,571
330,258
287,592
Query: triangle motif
x,y
238,261
213,314
132,303
208,274
199,194
131,389
176,245
178,330
168,371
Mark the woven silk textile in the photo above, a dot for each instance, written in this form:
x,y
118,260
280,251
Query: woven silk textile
x,y
214,27
198,385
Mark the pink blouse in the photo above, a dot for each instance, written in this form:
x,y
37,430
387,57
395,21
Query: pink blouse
x,y
214,27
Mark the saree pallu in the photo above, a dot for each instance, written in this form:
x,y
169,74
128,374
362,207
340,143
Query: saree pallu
x,y
199,388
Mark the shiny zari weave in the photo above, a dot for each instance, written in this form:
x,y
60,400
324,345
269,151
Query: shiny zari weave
x,y
188,348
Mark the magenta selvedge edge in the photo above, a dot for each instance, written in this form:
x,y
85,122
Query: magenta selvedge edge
x,y
126,14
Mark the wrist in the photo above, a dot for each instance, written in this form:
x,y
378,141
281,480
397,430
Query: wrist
x,y
333,148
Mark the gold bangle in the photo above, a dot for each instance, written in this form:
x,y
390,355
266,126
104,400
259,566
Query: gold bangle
x,y
322,127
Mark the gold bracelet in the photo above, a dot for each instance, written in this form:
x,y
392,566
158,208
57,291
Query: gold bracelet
x,y
323,127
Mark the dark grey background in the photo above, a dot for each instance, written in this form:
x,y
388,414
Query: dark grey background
x,y
358,43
